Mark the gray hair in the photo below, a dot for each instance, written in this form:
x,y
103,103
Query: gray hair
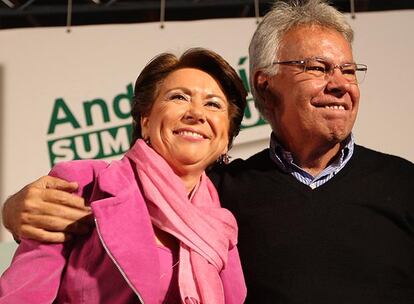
x,y
277,22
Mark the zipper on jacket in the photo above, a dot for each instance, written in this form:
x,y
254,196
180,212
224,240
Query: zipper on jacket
x,y
116,263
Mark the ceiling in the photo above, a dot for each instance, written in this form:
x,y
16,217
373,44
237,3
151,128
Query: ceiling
x,y
37,13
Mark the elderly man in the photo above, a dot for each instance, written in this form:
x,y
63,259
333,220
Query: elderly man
x,y
321,219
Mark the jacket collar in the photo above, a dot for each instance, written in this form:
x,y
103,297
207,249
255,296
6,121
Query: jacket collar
x,y
125,228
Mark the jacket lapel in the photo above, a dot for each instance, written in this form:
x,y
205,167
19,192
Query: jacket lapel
x,y
125,228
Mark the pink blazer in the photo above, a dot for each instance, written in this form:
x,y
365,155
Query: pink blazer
x,y
116,263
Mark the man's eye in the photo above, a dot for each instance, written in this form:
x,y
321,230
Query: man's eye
x,y
348,71
316,68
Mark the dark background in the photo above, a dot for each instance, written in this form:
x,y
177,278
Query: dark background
x,y
36,13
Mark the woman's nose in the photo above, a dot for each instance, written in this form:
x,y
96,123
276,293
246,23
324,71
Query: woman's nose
x,y
195,113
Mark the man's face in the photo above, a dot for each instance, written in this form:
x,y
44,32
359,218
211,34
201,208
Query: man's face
x,y
305,109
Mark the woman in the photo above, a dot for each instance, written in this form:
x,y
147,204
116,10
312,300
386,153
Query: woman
x,y
160,236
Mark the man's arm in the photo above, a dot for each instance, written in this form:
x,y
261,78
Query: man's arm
x,y
45,210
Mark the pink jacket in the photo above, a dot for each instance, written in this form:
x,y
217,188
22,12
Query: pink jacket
x,y
116,263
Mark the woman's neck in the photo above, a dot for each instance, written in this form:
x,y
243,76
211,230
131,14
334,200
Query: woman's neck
x,y
190,181
190,175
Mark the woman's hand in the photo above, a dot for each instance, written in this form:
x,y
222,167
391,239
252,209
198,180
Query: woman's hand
x,y
45,210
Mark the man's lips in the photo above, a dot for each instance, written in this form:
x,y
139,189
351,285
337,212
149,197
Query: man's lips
x,y
331,105
335,107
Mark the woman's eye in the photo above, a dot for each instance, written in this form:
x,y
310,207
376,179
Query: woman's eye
x,y
178,97
214,104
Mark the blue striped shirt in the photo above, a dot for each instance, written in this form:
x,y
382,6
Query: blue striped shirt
x,y
284,159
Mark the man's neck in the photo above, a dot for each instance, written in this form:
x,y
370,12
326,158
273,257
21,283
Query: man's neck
x,y
314,161
313,158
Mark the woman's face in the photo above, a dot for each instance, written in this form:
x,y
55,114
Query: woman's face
x,y
189,121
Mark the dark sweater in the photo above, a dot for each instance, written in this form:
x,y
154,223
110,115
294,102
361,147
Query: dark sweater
x,y
350,240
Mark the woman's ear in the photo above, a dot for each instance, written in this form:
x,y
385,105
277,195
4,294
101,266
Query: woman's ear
x,y
144,127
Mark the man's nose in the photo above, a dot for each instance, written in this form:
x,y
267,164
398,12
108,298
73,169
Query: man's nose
x,y
337,83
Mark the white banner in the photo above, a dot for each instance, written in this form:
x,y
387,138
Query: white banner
x,y
66,95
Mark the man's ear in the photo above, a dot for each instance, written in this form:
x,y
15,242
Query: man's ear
x,y
261,83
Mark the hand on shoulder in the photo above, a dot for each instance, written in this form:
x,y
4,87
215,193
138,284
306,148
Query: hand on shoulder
x,y
47,211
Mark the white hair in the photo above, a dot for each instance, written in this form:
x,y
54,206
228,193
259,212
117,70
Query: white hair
x,y
277,22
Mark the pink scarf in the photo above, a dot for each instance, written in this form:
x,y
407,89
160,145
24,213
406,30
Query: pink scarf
x,y
205,230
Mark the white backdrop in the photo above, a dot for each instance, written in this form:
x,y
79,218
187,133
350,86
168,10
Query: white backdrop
x,y
54,85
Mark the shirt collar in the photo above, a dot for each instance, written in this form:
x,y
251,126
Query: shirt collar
x,y
284,159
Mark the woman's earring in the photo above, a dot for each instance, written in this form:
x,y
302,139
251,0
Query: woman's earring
x,y
148,141
224,159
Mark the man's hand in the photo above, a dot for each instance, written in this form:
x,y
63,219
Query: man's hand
x,y
45,210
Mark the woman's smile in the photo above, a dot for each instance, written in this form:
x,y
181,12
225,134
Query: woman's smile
x,y
189,121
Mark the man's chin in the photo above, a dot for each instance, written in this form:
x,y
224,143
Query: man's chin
x,y
337,136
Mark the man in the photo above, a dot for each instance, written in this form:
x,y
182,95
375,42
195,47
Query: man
x,y
321,219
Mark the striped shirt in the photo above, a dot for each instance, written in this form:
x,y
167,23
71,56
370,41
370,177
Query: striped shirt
x,y
284,159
